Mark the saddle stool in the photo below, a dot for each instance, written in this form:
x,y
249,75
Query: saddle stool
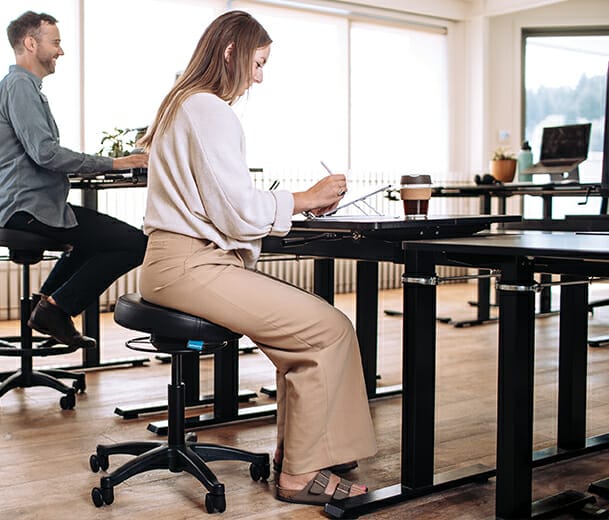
x,y
171,332
27,249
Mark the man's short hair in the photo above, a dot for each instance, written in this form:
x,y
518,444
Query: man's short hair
x,y
28,24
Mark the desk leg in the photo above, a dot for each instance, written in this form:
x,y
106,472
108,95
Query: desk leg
x,y
90,327
419,375
545,296
323,278
90,317
483,303
515,394
366,321
573,365
418,407
366,324
572,373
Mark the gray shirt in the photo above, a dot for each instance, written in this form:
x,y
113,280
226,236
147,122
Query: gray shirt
x,y
33,166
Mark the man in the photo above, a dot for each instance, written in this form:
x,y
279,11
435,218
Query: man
x,y
34,187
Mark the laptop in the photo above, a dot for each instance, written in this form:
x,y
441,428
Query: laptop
x,y
563,148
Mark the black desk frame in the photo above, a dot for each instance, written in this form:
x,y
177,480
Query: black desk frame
x,y
501,192
515,458
368,242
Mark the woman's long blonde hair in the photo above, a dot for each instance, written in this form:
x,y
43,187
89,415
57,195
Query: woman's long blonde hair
x,y
209,70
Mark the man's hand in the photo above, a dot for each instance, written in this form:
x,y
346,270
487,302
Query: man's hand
x,y
136,160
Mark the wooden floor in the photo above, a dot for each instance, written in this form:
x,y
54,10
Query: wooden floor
x,y
44,451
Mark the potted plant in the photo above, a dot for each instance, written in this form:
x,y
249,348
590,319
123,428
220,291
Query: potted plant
x,y
120,141
503,165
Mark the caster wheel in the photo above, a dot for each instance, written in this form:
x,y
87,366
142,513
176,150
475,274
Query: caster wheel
x,y
102,496
94,465
191,437
260,471
96,497
68,401
215,503
98,462
79,385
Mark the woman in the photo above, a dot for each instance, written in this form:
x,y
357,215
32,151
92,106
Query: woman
x,y
206,220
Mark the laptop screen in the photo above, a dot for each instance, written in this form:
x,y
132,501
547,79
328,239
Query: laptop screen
x,y
565,142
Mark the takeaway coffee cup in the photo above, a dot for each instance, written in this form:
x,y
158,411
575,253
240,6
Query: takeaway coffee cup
x,y
415,191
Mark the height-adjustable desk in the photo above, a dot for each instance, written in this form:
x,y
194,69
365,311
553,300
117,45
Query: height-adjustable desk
x,y
518,256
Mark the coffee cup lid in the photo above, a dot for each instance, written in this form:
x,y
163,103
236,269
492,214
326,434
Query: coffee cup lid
x,y
415,179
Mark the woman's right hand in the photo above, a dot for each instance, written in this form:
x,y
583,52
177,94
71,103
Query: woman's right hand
x,y
323,196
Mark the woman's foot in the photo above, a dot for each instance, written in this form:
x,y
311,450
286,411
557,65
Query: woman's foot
x,y
337,468
317,487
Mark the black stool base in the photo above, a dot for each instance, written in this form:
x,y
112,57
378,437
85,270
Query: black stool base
x,y
49,378
189,457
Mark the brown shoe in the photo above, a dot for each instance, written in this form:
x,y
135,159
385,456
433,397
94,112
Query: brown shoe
x,y
50,319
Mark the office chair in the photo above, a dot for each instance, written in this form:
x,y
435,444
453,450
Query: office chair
x,y
181,336
27,249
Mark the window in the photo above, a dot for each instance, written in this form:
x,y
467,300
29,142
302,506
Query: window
x,y
399,112
368,97
299,114
131,60
565,81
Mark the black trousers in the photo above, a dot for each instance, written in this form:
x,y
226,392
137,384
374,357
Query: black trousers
x,y
104,248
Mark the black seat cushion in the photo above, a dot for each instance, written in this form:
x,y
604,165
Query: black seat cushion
x,y
16,239
135,313
28,248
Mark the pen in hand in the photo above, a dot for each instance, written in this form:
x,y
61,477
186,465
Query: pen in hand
x,y
327,168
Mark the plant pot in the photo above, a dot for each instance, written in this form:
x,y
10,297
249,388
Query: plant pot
x,y
503,170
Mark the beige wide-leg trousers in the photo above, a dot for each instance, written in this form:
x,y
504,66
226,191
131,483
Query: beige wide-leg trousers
x,y
323,416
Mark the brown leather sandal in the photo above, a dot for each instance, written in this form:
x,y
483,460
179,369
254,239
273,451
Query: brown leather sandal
x,y
338,468
314,492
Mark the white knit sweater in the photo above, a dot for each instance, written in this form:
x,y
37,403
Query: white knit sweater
x,y
199,183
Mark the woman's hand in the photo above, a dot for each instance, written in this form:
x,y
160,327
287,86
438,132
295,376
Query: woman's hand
x,y
323,197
